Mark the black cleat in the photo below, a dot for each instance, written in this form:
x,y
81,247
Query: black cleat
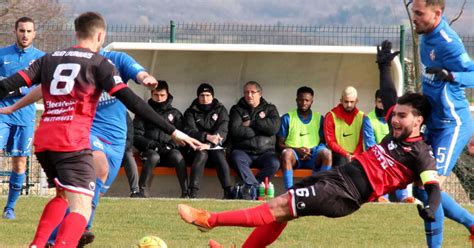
x,y
86,238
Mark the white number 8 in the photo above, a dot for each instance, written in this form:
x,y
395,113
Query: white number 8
x,y
68,79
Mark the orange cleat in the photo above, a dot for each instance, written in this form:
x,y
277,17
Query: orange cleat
x,y
215,244
197,217
409,199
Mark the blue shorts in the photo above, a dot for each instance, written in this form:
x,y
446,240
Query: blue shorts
x,y
114,154
310,163
16,140
447,146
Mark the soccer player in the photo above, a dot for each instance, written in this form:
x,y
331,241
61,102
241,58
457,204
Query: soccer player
x,y
450,126
16,130
400,158
72,81
301,138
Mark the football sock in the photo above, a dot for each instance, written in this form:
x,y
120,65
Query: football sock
x,y
288,178
401,194
263,236
433,230
71,230
249,217
54,234
95,201
455,212
53,214
325,168
15,185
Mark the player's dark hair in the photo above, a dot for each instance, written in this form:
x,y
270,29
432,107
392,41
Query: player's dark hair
x,y
304,89
24,19
420,104
378,94
254,83
440,3
88,23
162,85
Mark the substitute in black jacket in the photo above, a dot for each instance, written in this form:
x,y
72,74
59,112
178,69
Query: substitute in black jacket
x,y
155,145
207,120
253,125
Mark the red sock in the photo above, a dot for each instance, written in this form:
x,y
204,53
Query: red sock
x,y
263,236
71,230
52,215
249,217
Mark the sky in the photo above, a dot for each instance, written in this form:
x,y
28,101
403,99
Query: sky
x,y
296,12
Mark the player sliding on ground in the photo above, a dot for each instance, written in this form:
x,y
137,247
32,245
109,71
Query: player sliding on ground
x,y
401,158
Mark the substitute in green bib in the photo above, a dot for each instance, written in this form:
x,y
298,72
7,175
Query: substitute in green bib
x,y
301,138
343,128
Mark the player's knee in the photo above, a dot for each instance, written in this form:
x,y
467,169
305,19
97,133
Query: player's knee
x,y
326,156
19,164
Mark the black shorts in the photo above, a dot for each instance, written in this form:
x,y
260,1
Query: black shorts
x,y
328,193
71,171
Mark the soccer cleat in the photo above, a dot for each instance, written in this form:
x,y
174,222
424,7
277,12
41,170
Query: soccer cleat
x,y
215,244
8,213
86,238
409,199
135,194
382,199
197,217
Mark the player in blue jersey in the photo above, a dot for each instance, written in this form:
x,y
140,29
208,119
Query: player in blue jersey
x,y
16,129
448,70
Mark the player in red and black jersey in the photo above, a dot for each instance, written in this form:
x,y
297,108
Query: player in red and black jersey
x,y
401,158
72,81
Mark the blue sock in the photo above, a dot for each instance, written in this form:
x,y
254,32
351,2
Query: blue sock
x,y
15,185
325,168
53,235
288,178
95,201
433,230
455,212
401,194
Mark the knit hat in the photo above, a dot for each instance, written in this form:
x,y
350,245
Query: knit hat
x,y
205,88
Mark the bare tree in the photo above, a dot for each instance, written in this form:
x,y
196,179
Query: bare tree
x,y
42,11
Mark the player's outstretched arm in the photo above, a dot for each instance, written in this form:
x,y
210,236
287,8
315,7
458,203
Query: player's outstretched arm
x,y
33,96
139,107
147,80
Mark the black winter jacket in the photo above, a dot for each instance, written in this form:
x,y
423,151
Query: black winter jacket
x,y
198,122
145,133
259,137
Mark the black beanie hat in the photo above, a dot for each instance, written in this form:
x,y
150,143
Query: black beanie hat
x,y
205,88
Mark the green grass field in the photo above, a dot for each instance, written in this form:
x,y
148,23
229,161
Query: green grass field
x,y
121,222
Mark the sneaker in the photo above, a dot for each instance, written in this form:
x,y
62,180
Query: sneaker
x,y
135,194
409,199
86,238
197,217
382,199
8,213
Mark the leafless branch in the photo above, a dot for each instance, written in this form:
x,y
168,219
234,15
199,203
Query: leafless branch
x,y
459,14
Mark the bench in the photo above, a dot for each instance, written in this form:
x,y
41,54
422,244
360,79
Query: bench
x,y
170,171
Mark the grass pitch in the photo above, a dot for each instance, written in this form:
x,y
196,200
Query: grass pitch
x,y
121,222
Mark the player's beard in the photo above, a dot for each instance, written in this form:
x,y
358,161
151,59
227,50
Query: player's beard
x,y
403,135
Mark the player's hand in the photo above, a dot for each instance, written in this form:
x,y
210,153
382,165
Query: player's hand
x,y
150,82
384,53
440,74
183,139
6,110
426,213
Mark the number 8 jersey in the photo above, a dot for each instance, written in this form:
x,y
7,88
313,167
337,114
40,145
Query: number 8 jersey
x,y
72,81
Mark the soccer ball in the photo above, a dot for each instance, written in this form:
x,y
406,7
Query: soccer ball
x,y
151,242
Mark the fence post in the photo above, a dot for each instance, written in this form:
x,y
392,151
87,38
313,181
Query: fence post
x,y
172,32
402,51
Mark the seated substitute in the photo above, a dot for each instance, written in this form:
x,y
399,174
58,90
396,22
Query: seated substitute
x,y
301,138
207,120
253,125
398,160
156,146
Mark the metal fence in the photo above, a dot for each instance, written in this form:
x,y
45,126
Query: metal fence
x,y
52,37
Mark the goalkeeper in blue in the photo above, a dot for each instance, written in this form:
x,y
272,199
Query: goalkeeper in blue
x,y
447,71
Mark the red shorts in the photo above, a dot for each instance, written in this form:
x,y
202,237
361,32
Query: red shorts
x,y
71,171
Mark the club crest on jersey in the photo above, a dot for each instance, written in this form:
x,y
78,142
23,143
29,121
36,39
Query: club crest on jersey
x,y
391,145
432,55
215,116
92,186
300,205
262,115
170,117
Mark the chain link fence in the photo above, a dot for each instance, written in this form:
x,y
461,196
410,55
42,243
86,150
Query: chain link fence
x,y
52,37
